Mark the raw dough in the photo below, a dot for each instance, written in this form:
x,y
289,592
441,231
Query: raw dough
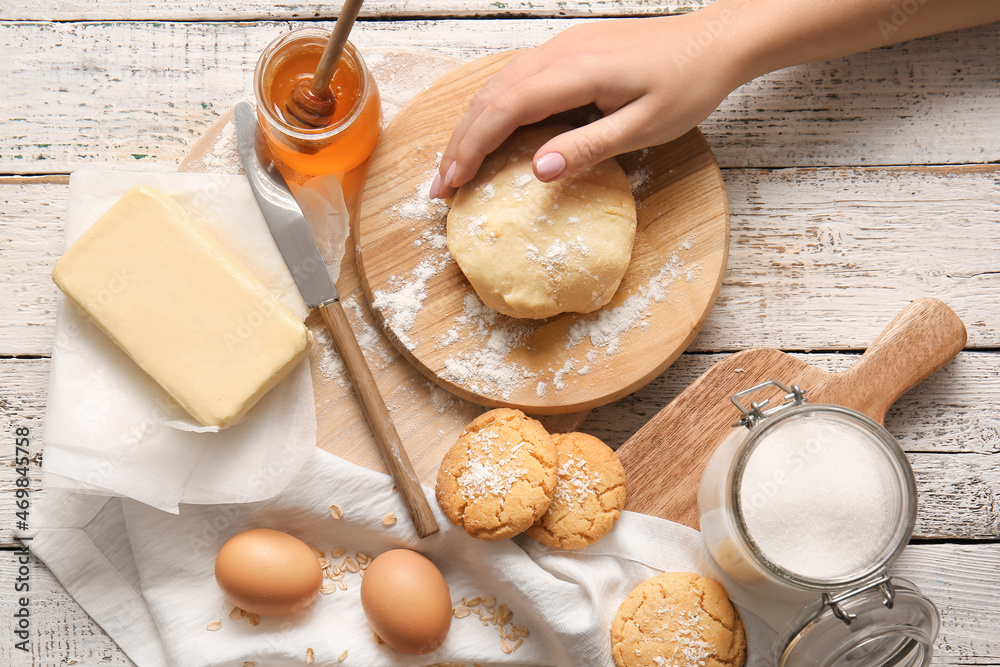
x,y
533,249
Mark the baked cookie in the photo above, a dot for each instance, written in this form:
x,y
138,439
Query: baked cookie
x,y
532,249
590,493
678,619
499,477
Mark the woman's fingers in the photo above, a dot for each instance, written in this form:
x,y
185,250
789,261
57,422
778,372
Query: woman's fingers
x,y
570,152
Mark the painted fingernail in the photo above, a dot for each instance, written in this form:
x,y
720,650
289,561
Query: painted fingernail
x,y
549,166
436,186
450,175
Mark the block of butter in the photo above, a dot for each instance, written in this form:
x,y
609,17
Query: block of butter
x,y
182,306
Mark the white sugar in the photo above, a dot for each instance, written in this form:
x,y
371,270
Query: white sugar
x,y
814,498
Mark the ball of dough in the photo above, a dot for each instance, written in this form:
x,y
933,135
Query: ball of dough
x,y
533,249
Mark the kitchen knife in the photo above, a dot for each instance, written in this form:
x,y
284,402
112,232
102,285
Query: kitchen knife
x,y
298,248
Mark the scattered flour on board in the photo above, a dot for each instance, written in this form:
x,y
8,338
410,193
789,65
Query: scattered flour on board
x,y
419,205
434,239
637,179
372,343
441,399
402,303
610,324
484,369
330,363
401,306
369,338
557,377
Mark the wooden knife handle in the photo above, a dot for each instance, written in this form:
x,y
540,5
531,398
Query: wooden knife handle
x,y
377,414
920,340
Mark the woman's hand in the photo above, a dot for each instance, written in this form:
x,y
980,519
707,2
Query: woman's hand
x,y
653,78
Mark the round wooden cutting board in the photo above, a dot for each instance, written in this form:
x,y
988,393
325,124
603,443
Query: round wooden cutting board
x,y
563,364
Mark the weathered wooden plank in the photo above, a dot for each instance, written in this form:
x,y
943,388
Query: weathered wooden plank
x,y
960,579
962,582
949,425
31,235
819,259
97,96
61,632
250,10
824,258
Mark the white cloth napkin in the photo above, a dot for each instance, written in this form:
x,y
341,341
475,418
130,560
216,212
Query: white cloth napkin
x,y
146,577
111,430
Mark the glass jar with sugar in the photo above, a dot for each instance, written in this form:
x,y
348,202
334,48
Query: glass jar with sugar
x,y
814,502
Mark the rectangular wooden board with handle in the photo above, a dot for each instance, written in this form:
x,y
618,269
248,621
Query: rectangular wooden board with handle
x,y
665,458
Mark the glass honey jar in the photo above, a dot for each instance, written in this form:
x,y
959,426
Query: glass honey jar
x,y
814,503
352,133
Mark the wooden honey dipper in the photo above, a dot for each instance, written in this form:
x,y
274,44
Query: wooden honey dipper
x,y
312,103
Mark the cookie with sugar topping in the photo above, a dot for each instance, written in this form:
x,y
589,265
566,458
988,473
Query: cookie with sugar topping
x,y
678,618
590,493
499,477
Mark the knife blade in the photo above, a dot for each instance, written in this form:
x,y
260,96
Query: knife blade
x,y
281,212
298,248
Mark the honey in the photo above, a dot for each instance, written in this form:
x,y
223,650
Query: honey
x,y
350,136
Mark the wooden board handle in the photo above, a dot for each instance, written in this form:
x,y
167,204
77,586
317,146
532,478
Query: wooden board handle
x,y
377,414
920,340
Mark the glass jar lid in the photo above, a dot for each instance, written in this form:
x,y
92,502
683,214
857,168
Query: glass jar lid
x,y
888,622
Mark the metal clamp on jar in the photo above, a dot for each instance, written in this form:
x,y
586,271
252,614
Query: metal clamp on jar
x,y
805,499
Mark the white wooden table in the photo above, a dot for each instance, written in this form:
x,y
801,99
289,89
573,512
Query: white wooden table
x,y
856,185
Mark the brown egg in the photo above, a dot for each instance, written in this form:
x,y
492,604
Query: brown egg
x,y
406,601
268,572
